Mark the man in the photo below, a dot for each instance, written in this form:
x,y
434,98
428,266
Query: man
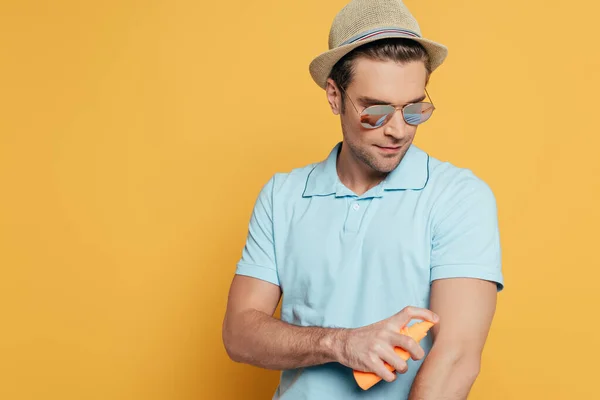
x,y
377,235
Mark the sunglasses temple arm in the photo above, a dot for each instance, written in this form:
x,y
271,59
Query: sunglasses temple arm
x,y
429,98
346,94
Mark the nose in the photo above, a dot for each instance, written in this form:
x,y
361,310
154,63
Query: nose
x,y
396,127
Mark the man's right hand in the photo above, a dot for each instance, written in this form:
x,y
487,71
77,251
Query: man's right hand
x,y
366,348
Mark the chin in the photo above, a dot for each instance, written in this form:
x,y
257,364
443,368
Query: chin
x,y
387,169
386,165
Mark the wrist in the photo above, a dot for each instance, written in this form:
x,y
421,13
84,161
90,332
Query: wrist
x,y
334,344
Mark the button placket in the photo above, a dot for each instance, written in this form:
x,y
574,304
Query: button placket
x,y
356,211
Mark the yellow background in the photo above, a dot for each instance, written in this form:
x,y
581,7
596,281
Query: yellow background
x,y
133,144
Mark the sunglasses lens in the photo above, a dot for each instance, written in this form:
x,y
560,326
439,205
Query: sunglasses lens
x,y
375,116
418,113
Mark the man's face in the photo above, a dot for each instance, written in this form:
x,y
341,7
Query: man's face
x,y
381,82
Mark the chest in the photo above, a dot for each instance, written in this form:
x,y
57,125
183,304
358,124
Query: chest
x,y
329,228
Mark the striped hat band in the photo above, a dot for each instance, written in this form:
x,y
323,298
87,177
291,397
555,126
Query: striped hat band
x,y
381,33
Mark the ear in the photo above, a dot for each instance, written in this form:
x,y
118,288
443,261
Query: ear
x,y
333,96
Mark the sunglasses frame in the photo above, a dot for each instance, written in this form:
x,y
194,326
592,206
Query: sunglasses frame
x,y
389,116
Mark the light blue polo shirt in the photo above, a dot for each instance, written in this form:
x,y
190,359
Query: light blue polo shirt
x,y
344,260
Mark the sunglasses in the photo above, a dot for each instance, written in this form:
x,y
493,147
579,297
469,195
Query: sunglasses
x,y
376,116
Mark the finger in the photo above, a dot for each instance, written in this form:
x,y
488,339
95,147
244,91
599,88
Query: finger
x,y
388,355
379,368
410,312
407,343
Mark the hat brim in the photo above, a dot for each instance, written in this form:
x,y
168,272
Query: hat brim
x,y
321,66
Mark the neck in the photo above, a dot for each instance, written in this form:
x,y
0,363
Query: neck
x,y
355,174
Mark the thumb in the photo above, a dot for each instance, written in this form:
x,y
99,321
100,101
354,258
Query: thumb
x,y
402,318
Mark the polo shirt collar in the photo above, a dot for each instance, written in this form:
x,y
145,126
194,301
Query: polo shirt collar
x,y
411,174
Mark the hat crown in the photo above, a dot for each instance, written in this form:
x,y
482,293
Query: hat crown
x,y
360,16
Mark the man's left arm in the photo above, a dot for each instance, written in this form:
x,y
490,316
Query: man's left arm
x,y
465,278
466,307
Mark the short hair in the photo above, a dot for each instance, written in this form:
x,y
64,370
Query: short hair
x,y
399,50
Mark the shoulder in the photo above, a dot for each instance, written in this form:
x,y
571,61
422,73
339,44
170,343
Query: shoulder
x,y
447,179
459,190
291,183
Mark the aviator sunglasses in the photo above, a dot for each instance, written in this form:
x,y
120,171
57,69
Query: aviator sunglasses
x,y
378,115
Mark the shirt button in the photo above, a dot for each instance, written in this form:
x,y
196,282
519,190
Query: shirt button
x,y
355,206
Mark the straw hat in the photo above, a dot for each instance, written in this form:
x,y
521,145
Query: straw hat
x,y
364,21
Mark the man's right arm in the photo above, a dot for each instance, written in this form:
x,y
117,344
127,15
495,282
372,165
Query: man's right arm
x,y
253,336
250,332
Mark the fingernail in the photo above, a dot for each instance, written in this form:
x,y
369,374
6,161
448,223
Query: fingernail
x,y
436,318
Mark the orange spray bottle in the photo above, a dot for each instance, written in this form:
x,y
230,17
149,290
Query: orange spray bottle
x,y
417,331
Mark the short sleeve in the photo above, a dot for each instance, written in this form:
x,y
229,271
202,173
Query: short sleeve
x,y
465,236
258,255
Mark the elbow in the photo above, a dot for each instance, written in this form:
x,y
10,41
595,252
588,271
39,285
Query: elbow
x,y
230,349
470,369
466,364
231,345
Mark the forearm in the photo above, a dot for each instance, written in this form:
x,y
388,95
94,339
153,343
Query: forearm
x,y
263,341
445,376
